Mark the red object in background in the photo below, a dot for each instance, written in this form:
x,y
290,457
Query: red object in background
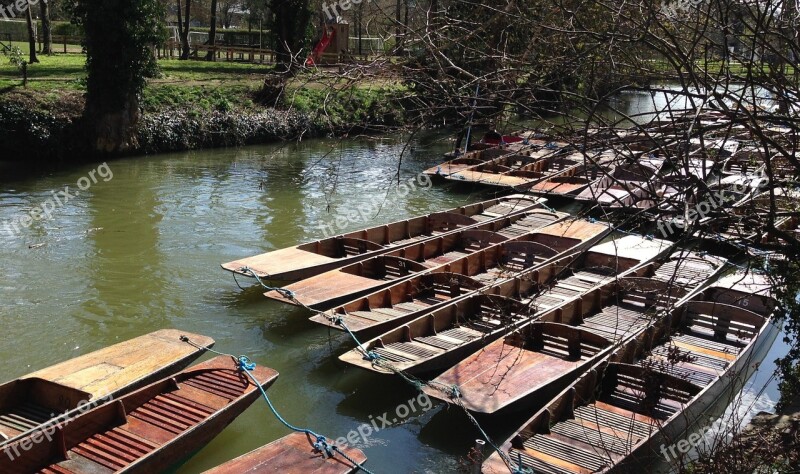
x,y
323,44
506,139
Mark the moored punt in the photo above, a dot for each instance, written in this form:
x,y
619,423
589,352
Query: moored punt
x,y
28,403
519,170
743,162
626,410
438,339
630,185
150,430
306,260
461,250
475,158
407,300
736,227
292,453
500,376
573,181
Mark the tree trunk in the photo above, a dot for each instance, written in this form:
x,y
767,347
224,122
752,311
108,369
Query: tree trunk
x,y
187,17
115,130
31,37
398,27
291,21
212,35
47,32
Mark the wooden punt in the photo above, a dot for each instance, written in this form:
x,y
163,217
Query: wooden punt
x,y
33,400
475,158
408,300
150,430
631,185
519,170
626,409
461,250
507,374
441,338
306,260
743,221
292,453
575,180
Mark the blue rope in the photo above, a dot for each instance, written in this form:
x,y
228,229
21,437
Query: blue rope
x,y
283,291
321,444
521,469
246,365
368,355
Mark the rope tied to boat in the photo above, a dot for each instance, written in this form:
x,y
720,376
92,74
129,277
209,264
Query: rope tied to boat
x,y
288,294
521,468
321,444
455,392
368,355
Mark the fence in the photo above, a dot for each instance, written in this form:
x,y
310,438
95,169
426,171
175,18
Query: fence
x,y
171,49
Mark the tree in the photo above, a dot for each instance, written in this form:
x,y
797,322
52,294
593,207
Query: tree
x,y
289,25
47,33
31,36
183,28
212,35
119,35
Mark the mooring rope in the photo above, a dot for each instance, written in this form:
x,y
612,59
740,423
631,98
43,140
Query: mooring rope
x,y
453,392
321,442
249,271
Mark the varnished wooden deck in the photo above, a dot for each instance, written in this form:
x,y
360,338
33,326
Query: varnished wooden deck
x,y
126,364
292,453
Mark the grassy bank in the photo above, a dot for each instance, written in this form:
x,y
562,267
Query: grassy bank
x,y
192,104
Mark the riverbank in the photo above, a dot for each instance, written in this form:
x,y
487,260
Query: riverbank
x,y
193,105
770,443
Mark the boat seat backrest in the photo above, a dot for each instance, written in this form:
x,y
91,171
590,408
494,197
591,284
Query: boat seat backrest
x,y
651,386
447,221
399,267
526,254
480,239
349,246
450,284
562,340
759,304
724,320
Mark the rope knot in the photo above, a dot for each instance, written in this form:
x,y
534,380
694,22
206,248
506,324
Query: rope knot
x,y
454,392
371,356
289,294
246,364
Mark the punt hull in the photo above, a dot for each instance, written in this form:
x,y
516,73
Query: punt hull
x,y
294,452
726,384
310,259
104,374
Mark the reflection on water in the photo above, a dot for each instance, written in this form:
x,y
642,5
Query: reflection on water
x,y
142,252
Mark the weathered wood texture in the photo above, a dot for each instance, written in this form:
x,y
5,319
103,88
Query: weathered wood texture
x,y
292,453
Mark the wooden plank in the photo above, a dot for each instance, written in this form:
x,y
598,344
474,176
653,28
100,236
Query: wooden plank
x,y
292,453
111,369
